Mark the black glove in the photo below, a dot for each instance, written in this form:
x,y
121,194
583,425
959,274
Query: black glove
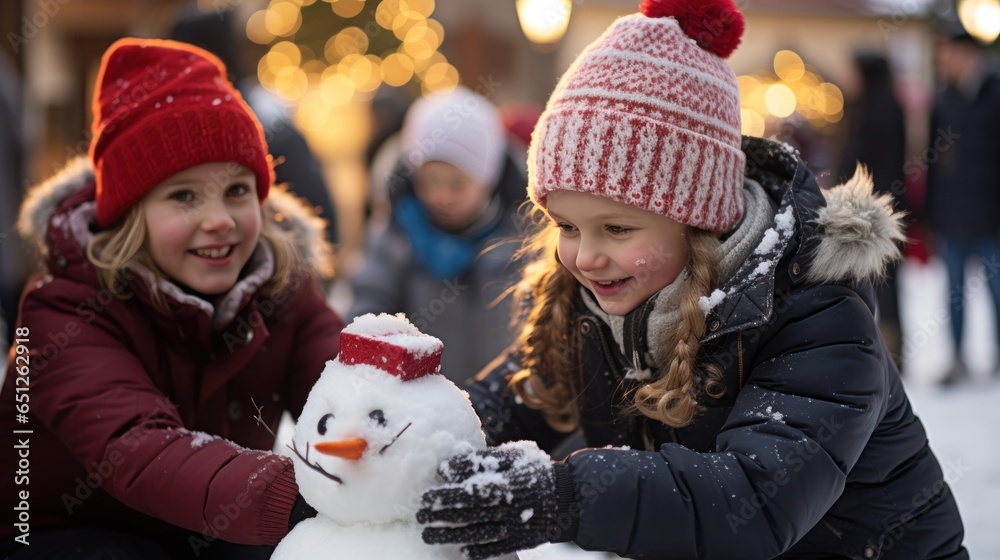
x,y
301,511
496,501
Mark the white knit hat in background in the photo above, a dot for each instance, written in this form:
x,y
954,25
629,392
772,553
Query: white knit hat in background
x,y
462,128
649,115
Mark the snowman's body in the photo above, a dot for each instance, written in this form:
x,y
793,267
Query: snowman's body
x,y
321,538
373,432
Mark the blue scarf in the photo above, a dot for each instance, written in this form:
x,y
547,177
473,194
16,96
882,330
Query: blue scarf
x,y
444,254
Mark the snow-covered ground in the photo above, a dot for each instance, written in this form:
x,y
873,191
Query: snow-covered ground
x,y
963,422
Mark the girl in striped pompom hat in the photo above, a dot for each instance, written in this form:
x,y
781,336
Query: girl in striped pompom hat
x,y
703,315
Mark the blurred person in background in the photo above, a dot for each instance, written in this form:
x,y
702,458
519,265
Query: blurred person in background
x,y
876,138
388,111
520,118
295,163
963,183
444,257
12,178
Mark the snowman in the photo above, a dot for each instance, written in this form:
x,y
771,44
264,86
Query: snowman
x,y
374,430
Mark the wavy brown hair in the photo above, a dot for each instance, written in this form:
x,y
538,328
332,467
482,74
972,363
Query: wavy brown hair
x,y
550,366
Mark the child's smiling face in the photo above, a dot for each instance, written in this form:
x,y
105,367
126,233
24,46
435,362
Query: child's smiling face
x,y
203,224
452,198
621,253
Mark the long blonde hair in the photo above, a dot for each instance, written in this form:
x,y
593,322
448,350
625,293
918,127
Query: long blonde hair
x,y
550,365
111,251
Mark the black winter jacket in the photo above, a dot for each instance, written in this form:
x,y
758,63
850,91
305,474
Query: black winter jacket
x,y
811,450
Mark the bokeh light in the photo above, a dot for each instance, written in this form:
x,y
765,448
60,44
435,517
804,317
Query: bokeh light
x,y
789,66
753,122
794,90
544,21
780,100
348,9
981,18
326,69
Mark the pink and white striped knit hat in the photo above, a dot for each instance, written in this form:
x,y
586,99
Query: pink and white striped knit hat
x,y
649,115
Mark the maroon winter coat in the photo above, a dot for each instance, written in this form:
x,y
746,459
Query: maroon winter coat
x,y
142,417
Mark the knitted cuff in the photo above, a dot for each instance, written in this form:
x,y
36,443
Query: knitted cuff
x,y
277,502
567,507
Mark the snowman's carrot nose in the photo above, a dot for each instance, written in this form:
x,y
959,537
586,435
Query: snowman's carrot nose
x,y
345,448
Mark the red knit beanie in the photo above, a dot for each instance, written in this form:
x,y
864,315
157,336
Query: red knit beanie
x,y
162,107
649,115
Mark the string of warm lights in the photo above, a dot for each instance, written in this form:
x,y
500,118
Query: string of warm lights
x,y
793,88
347,65
326,58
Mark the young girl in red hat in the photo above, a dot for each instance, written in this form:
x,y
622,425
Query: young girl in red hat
x,y
179,311
704,315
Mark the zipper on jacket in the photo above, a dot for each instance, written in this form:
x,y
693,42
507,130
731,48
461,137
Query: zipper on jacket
x,y
836,533
739,351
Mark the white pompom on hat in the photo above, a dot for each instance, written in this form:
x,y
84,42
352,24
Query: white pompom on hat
x,y
649,115
461,128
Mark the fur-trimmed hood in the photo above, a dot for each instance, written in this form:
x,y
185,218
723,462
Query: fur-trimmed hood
x,y
848,233
44,200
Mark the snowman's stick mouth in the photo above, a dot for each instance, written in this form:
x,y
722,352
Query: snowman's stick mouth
x,y
315,466
381,451
321,470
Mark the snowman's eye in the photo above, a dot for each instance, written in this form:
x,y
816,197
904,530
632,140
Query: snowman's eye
x,y
378,416
321,428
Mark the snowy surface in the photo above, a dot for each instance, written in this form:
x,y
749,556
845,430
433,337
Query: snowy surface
x,y
396,330
962,422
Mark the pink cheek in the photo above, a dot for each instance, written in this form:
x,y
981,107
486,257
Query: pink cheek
x,y
173,245
641,262
652,268
253,230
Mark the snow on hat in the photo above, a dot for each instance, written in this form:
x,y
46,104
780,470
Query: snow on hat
x,y
392,344
162,107
462,128
649,115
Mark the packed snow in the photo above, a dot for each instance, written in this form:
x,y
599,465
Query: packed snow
x,y
707,303
396,330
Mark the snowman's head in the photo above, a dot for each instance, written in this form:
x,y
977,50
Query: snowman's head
x,y
378,423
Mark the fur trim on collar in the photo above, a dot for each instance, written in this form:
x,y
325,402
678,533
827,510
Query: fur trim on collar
x,y
42,200
291,214
308,230
859,232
